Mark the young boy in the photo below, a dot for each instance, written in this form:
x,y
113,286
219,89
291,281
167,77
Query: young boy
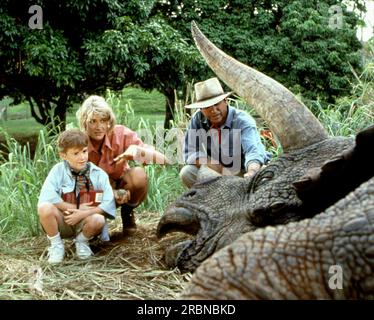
x,y
75,199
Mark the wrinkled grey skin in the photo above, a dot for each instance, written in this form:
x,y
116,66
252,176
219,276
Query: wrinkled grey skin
x,y
298,260
228,207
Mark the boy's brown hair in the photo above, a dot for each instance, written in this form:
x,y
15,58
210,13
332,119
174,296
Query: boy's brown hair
x,y
72,138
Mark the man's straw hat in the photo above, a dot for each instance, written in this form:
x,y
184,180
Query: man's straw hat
x,y
208,93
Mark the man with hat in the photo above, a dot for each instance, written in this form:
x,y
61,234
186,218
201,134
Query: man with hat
x,y
221,137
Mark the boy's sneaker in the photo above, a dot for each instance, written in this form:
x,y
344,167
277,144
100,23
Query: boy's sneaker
x,y
56,253
83,250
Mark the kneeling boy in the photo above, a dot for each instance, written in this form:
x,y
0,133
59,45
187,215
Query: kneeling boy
x,y
76,198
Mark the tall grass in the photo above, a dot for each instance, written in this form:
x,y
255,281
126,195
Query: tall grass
x,y
181,115
21,179
347,118
164,186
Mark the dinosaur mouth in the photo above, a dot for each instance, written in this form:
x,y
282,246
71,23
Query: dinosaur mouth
x,y
178,219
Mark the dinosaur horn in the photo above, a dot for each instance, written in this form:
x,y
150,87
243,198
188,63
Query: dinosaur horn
x,y
177,219
290,120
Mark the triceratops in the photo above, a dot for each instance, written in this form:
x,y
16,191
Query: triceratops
x,y
302,227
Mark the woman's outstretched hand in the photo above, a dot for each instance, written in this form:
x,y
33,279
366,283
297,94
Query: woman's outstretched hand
x,y
144,155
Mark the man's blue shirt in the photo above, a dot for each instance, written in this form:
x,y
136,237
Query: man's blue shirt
x,y
238,140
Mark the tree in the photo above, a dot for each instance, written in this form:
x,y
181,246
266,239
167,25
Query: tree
x,y
309,46
84,47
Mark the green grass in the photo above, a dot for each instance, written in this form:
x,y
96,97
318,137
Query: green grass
x,y
20,111
145,102
19,122
147,105
20,128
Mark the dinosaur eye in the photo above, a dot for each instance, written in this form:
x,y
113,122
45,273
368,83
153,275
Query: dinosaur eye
x,y
263,180
264,177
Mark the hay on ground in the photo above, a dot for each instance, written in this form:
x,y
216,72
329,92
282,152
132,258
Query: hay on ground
x,y
130,268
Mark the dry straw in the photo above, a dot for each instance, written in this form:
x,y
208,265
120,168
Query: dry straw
x,y
131,268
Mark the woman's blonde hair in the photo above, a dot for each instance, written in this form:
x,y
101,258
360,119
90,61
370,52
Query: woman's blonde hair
x,y
95,105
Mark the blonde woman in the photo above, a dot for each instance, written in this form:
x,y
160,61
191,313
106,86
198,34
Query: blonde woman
x,y
110,146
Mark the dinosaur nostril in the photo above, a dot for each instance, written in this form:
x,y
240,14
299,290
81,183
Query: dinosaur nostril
x,y
257,215
258,211
190,194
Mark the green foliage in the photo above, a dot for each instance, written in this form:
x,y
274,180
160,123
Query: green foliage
x,y
347,118
354,112
294,42
153,54
86,47
48,56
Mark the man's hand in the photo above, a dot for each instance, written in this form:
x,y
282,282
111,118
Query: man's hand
x,y
253,167
122,196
